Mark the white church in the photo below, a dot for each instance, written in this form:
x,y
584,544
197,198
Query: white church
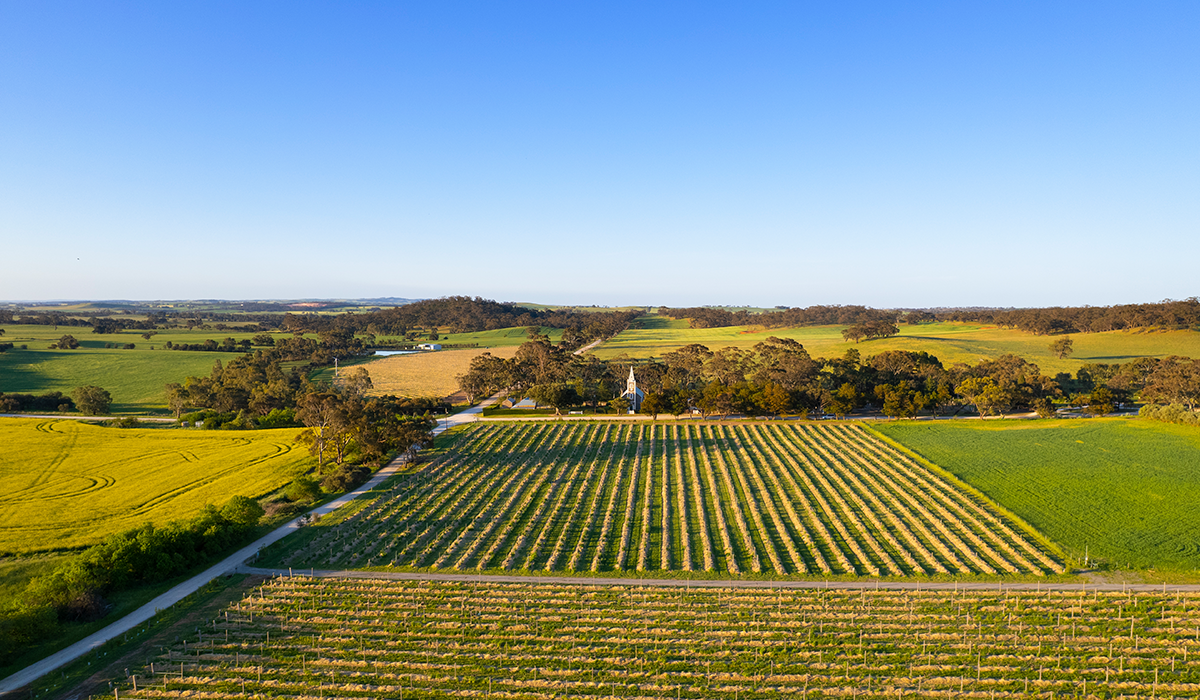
x,y
633,393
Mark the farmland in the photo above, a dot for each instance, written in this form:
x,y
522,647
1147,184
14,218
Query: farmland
x,y
135,378
370,638
1123,490
65,484
654,335
426,374
739,500
499,338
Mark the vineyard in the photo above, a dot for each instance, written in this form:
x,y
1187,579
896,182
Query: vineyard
x,y
302,637
744,499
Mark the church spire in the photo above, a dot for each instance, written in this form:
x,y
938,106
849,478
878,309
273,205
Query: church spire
x,y
631,383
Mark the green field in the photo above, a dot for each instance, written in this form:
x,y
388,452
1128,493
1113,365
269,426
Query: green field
x,y
135,378
655,335
1126,490
501,337
66,484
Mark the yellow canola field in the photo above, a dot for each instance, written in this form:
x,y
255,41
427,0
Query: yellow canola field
x,y
66,484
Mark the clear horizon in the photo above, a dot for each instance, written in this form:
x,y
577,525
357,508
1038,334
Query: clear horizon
x,y
924,155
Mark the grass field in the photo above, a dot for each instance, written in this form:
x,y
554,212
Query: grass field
x,y
427,374
950,342
64,484
499,338
135,378
310,638
741,499
1126,490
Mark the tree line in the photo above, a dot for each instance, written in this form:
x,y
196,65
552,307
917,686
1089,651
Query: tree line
x,y
779,376
1042,321
461,314
1087,319
718,317
77,590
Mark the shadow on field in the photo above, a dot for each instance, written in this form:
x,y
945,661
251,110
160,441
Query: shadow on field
x,y
17,366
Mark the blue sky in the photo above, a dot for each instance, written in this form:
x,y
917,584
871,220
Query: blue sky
x,y
890,154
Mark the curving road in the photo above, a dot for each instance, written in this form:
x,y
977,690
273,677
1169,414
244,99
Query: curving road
x,y
229,565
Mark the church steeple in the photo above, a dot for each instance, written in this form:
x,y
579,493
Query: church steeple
x,y
631,384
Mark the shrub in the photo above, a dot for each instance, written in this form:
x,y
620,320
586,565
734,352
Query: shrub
x,y
243,511
346,478
303,489
1173,413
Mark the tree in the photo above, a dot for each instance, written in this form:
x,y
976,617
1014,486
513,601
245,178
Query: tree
x,y
900,400
985,394
357,381
1062,347
785,362
92,400
243,510
855,333
177,398
558,395
655,403
727,366
1044,408
67,342
1100,402
325,418
717,399
1174,380
773,399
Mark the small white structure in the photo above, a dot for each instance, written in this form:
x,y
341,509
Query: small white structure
x,y
633,393
429,346
524,404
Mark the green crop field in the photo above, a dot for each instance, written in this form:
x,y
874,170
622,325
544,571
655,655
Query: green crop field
x,y
311,638
66,484
499,338
1125,490
135,378
735,499
655,335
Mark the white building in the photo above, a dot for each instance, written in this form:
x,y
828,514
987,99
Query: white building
x,y
633,393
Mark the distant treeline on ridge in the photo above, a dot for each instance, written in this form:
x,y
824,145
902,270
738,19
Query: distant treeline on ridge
x,y
1044,321
461,314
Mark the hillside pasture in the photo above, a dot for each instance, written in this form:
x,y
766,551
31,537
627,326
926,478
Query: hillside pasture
x,y
303,637
66,484
654,335
1125,491
634,497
